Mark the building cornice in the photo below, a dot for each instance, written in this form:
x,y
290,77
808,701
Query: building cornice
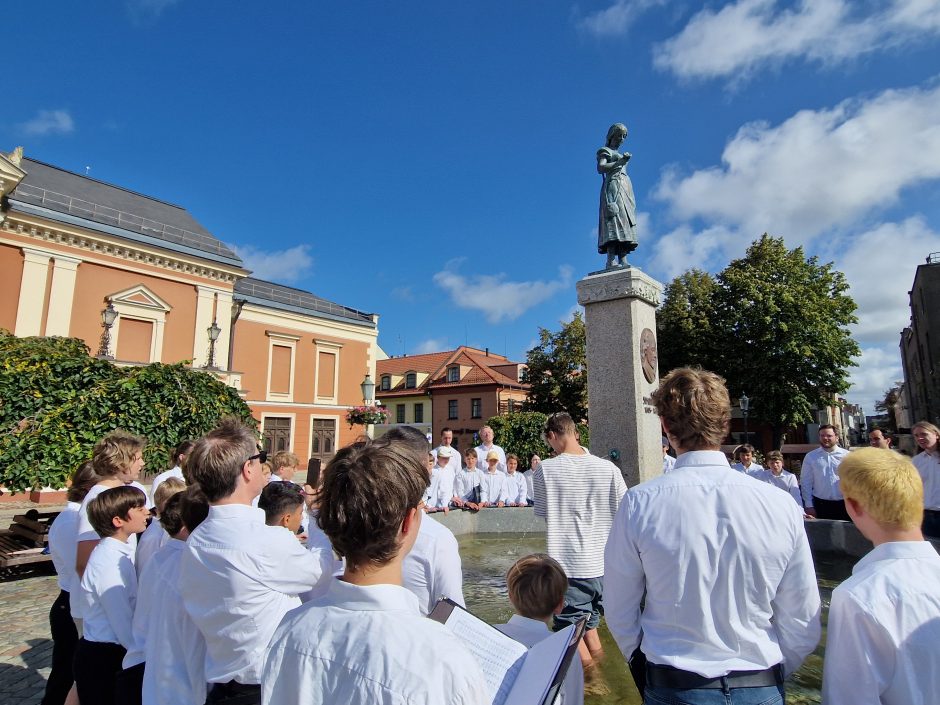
x,y
99,244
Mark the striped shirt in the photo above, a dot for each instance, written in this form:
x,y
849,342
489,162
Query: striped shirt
x,y
578,496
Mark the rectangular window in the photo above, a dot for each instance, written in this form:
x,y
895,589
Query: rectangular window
x,y
276,433
399,413
326,374
411,380
452,409
386,383
453,374
476,408
280,369
419,413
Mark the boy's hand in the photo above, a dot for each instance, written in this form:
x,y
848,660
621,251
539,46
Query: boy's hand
x,y
500,504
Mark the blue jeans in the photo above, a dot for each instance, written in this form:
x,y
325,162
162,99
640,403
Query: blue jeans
x,y
770,695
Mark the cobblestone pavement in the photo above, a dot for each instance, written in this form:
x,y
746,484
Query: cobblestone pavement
x,y
25,642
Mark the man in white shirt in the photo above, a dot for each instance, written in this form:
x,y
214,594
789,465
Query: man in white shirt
x,y
578,495
238,576
668,461
447,437
179,457
878,438
778,477
365,640
487,445
441,488
927,463
819,477
731,601
884,621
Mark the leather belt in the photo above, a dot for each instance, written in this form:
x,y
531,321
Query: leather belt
x,y
658,676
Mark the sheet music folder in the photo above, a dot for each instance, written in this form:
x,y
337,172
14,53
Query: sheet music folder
x,y
514,674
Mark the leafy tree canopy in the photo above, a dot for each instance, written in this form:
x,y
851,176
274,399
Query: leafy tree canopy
x,y
56,402
777,325
556,371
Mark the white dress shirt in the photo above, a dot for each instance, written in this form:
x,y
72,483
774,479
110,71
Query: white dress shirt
x,y
175,652
530,632
668,463
442,487
725,566
367,644
786,481
238,578
109,586
884,628
432,568
465,482
63,536
318,543
819,475
753,469
516,489
176,472
152,540
493,487
529,483
147,597
929,468
481,456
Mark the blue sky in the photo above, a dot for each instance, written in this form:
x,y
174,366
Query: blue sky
x,y
434,162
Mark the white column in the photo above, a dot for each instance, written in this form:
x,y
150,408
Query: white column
x,y
224,319
61,295
205,298
32,292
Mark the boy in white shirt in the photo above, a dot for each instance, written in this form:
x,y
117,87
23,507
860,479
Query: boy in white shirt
x,y
516,488
174,649
109,584
493,483
62,543
467,484
283,505
537,586
442,481
884,621
179,458
370,508
238,577
155,538
778,477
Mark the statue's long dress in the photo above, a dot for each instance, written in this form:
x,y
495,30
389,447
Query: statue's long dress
x,y
617,217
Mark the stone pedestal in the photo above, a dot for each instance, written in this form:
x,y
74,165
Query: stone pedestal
x,y
620,318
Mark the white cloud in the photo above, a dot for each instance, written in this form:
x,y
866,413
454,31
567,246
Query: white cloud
x,y
617,18
288,266
499,300
431,345
878,369
816,171
140,10
746,35
48,122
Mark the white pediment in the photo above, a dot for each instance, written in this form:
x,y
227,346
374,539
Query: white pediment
x,y
142,297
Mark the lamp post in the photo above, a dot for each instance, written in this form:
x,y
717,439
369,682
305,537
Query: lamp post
x,y
745,404
108,317
368,390
214,331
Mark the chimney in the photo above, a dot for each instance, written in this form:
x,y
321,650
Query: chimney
x,y
487,352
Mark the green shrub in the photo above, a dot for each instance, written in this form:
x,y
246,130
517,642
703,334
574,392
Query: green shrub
x,y
521,433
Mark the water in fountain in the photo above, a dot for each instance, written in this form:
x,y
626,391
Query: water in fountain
x,y
486,560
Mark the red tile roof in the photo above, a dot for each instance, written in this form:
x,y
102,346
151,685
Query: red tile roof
x,y
435,365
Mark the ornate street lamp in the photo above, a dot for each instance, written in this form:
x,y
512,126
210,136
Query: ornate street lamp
x,y
214,331
368,390
108,317
745,404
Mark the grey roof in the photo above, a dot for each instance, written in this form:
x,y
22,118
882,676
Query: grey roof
x,y
61,191
290,299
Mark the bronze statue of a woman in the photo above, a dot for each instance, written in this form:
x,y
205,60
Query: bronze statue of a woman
x,y
616,230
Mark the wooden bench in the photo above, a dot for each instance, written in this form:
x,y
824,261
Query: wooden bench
x,y
26,539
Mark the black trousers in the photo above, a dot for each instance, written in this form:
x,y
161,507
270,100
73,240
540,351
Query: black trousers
x,y
931,525
233,693
64,642
97,665
830,509
129,686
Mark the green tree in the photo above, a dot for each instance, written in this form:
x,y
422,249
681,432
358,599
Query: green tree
x,y
521,433
684,322
781,327
556,371
888,406
56,401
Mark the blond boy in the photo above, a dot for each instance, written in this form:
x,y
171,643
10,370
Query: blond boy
x,y
884,621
